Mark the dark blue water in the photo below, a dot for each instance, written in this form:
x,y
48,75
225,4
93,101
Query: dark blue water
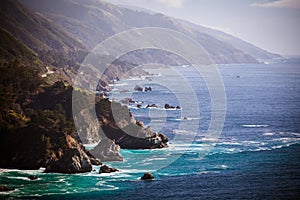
x,y
256,155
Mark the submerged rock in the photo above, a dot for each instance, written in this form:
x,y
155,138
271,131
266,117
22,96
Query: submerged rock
x,y
32,177
151,106
167,106
127,101
4,188
106,169
147,176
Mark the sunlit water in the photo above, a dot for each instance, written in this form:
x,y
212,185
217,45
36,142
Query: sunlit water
x,y
256,156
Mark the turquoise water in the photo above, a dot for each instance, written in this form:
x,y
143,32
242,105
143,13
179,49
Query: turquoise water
x,y
257,154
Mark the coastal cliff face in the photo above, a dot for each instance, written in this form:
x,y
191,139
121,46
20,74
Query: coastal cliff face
x,y
37,127
119,125
32,148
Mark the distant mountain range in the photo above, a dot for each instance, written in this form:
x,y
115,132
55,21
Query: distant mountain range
x,y
92,21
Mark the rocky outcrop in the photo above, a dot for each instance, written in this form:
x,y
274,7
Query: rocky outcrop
x,y
147,176
106,169
107,150
32,148
135,137
119,125
70,159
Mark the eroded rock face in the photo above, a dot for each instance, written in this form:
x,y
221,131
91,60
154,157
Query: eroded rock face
x,y
71,161
119,125
87,127
107,150
135,137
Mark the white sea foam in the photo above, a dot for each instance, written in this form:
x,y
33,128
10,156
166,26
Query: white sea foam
x,y
21,178
255,125
157,120
10,192
118,84
268,134
179,131
229,143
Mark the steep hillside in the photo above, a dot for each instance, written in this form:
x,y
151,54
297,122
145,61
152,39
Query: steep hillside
x,y
48,41
94,20
34,30
11,48
246,47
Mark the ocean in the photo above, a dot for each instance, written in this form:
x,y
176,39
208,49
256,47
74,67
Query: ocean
x,y
256,156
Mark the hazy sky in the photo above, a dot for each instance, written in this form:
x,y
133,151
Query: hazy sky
x,y
270,24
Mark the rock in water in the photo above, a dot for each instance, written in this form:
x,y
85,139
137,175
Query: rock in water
x,y
167,106
138,88
148,89
4,188
147,176
106,169
151,106
32,177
